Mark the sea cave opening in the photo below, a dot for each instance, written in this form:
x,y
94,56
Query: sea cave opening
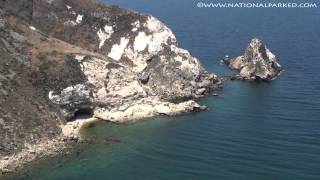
x,y
82,113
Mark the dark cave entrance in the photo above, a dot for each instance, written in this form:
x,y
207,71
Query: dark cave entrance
x,y
82,113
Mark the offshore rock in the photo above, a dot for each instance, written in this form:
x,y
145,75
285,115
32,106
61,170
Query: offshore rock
x,y
257,63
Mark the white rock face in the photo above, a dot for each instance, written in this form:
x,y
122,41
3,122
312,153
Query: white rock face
x,y
121,89
152,40
68,7
138,59
136,25
147,108
161,35
141,41
79,19
72,129
77,94
32,28
188,63
117,50
104,34
142,75
102,37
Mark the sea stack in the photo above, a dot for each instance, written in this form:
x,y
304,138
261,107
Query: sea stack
x,y
257,63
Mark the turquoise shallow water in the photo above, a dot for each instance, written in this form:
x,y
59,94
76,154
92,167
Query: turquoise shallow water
x,y
252,131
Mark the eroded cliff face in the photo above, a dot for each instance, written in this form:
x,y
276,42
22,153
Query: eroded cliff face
x,y
60,58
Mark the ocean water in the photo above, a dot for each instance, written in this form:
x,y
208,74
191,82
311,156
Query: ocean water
x,y
252,130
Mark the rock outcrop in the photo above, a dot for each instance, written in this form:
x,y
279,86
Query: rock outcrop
x,y
257,63
64,58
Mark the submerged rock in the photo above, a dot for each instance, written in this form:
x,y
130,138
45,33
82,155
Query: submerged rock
x,y
257,63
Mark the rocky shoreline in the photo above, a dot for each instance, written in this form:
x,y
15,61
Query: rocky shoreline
x,y
71,136
64,144
45,148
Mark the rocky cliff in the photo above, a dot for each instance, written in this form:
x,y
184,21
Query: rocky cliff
x,y
64,58
257,63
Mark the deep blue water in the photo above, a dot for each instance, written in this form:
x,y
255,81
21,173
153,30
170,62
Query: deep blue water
x,y
252,131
